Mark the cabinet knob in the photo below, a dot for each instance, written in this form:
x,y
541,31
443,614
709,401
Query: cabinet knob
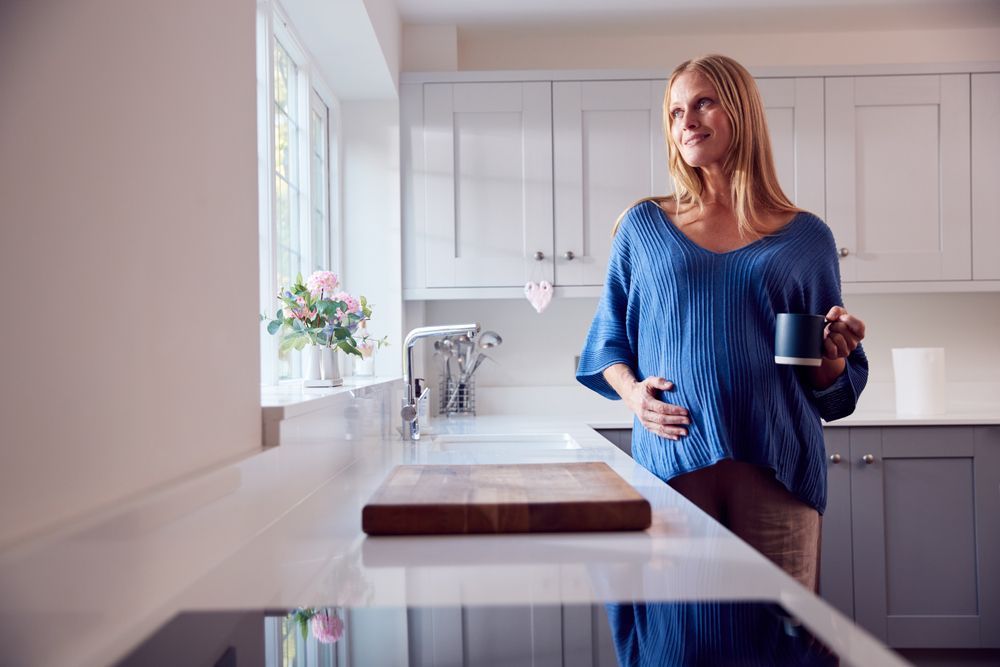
x,y
834,458
843,252
569,255
539,255
868,459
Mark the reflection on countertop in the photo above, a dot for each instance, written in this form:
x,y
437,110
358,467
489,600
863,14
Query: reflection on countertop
x,y
725,632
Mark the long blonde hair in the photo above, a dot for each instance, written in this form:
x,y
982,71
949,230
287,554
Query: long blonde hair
x,y
749,162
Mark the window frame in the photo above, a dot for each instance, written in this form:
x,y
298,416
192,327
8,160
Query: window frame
x,y
274,26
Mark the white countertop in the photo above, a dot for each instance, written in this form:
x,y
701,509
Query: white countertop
x,y
282,529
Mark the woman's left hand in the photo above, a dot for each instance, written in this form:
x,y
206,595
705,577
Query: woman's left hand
x,y
842,335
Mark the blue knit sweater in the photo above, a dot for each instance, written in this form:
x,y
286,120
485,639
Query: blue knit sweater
x,y
705,321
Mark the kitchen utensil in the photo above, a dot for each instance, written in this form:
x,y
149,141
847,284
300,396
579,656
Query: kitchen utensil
x,y
515,498
489,339
464,347
480,358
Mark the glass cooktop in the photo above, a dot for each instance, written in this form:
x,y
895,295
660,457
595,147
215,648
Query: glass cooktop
x,y
743,633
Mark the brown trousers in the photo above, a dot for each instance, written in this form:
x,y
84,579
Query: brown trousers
x,y
751,503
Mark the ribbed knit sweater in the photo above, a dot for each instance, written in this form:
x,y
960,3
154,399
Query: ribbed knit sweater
x,y
749,634
705,321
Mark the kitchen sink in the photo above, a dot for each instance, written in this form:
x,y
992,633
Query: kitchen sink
x,y
503,442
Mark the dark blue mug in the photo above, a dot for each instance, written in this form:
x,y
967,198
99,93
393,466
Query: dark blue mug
x,y
798,339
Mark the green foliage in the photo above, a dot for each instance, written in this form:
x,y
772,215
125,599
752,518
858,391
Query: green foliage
x,y
305,318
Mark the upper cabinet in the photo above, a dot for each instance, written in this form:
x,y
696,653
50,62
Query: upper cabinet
x,y
897,175
488,180
506,182
794,109
609,151
986,176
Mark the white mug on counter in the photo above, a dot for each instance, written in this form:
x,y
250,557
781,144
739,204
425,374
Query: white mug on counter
x,y
920,381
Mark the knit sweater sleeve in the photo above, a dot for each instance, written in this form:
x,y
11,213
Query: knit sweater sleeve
x,y
609,341
823,292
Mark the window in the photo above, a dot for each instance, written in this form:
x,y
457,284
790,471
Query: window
x,y
295,146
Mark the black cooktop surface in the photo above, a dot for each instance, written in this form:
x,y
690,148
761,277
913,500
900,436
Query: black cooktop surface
x,y
730,633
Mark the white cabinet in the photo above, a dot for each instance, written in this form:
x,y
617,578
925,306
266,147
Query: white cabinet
x,y
609,151
794,109
488,183
986,176
505,182
897,176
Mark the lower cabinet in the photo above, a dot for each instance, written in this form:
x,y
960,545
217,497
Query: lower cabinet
x,y
538,635
911,535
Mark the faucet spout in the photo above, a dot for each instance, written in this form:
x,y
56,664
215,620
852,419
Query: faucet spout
x,y
411,426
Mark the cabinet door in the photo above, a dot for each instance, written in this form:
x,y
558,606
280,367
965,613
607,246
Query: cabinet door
x,y
987,453
917,552
898,152
488,183
985,176
836,567
609,151
794,110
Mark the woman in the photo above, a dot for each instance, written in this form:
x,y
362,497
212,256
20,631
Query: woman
x,y
684,332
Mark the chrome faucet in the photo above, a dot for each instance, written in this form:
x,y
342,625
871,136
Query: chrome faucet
x,y
411,425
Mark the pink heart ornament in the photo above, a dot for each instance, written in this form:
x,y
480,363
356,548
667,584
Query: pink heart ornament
x,y
539,294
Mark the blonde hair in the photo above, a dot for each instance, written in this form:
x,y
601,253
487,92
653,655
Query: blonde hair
x,y
749,162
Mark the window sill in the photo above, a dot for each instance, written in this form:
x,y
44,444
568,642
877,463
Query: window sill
x,y
291,399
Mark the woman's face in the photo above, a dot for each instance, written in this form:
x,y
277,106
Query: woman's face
x,y
699,125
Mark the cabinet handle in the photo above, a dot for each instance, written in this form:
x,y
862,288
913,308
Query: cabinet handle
x,y
868,459
539,255
569,255
834,458
843,252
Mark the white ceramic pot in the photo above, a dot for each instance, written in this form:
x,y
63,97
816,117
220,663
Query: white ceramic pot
x,y
320,367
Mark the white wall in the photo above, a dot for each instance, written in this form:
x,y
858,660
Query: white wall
x,y
602,47
372,254
540,349
388,27
128,250
430,48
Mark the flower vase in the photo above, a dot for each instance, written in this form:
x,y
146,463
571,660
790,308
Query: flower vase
x,y
364,366
320,367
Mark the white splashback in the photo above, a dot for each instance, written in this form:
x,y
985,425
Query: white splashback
x,y
540,349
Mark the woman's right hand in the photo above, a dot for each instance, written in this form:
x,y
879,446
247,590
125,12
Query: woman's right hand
x,y
664,419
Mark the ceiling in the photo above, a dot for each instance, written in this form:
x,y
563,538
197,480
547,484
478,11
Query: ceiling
x,y
707,15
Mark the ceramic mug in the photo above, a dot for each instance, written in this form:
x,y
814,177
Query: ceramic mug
x,y
798,339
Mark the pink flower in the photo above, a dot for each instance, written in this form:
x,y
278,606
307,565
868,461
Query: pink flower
x,y
326,628
353,305
322,282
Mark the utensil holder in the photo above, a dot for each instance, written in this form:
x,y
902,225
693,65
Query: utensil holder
x,y
457,398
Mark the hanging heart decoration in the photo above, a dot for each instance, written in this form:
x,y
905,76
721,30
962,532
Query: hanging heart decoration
x,y
539,295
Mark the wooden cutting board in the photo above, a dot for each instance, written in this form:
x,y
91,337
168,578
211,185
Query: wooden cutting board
x,y
522,498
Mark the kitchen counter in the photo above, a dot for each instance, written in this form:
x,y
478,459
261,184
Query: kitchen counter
x,y
281,529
